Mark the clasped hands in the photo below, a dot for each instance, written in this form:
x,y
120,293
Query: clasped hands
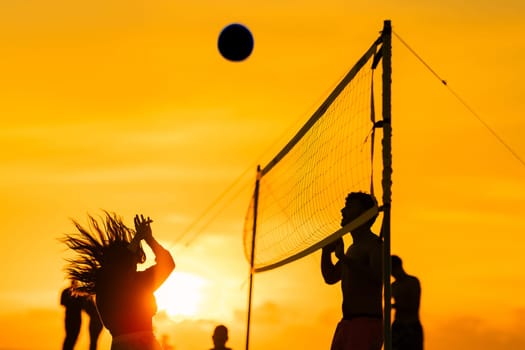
x,y
142,227
143,231
337,247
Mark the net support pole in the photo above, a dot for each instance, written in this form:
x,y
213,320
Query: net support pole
x,y
252,255
387,179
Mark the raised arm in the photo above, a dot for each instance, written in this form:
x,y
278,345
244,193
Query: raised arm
x,y
331,272
164,261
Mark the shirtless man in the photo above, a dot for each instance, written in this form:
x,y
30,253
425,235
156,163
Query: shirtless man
x,y
407,332
360,273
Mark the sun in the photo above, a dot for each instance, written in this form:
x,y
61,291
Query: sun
x,y
180,296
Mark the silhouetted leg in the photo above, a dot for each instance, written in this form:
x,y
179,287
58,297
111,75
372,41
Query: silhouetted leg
x,y
72,331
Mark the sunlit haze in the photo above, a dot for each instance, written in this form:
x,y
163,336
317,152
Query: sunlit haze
x,y
181,296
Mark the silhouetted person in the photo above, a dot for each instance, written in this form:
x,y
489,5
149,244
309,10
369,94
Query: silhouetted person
x,y
75,303
73,318
407,332
106,265
220,337
360,272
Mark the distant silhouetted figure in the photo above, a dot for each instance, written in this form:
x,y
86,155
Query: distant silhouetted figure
x,y
73,319
75,303
360,272
106,265
220,337
407,332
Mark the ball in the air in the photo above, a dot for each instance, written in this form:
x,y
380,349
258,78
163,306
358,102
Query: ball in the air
x,y
235,42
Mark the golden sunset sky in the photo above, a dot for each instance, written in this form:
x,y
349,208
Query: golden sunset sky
x,y
128,106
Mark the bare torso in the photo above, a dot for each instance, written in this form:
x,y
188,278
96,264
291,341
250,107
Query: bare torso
x,y
406,292
361,278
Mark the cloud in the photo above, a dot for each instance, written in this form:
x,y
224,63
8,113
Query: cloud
x,y
472,332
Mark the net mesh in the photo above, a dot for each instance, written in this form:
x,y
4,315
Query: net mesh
x,y
302,190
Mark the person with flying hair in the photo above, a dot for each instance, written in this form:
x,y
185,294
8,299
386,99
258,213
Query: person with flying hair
x,y
105,265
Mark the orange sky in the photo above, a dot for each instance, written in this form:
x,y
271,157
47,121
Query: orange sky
x,y
128,106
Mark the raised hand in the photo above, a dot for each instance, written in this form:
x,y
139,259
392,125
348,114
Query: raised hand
x,y
340,249
142,226
143,231
335,245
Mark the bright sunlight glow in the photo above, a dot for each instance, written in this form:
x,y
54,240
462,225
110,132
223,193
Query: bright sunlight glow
x,y
181,295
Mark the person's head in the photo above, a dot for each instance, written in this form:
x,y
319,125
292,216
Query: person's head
x,y
397,266
357,203
102,244
220,335
119,258
116,254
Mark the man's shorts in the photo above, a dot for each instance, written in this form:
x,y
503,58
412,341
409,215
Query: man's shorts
x,y
407,336
359,333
